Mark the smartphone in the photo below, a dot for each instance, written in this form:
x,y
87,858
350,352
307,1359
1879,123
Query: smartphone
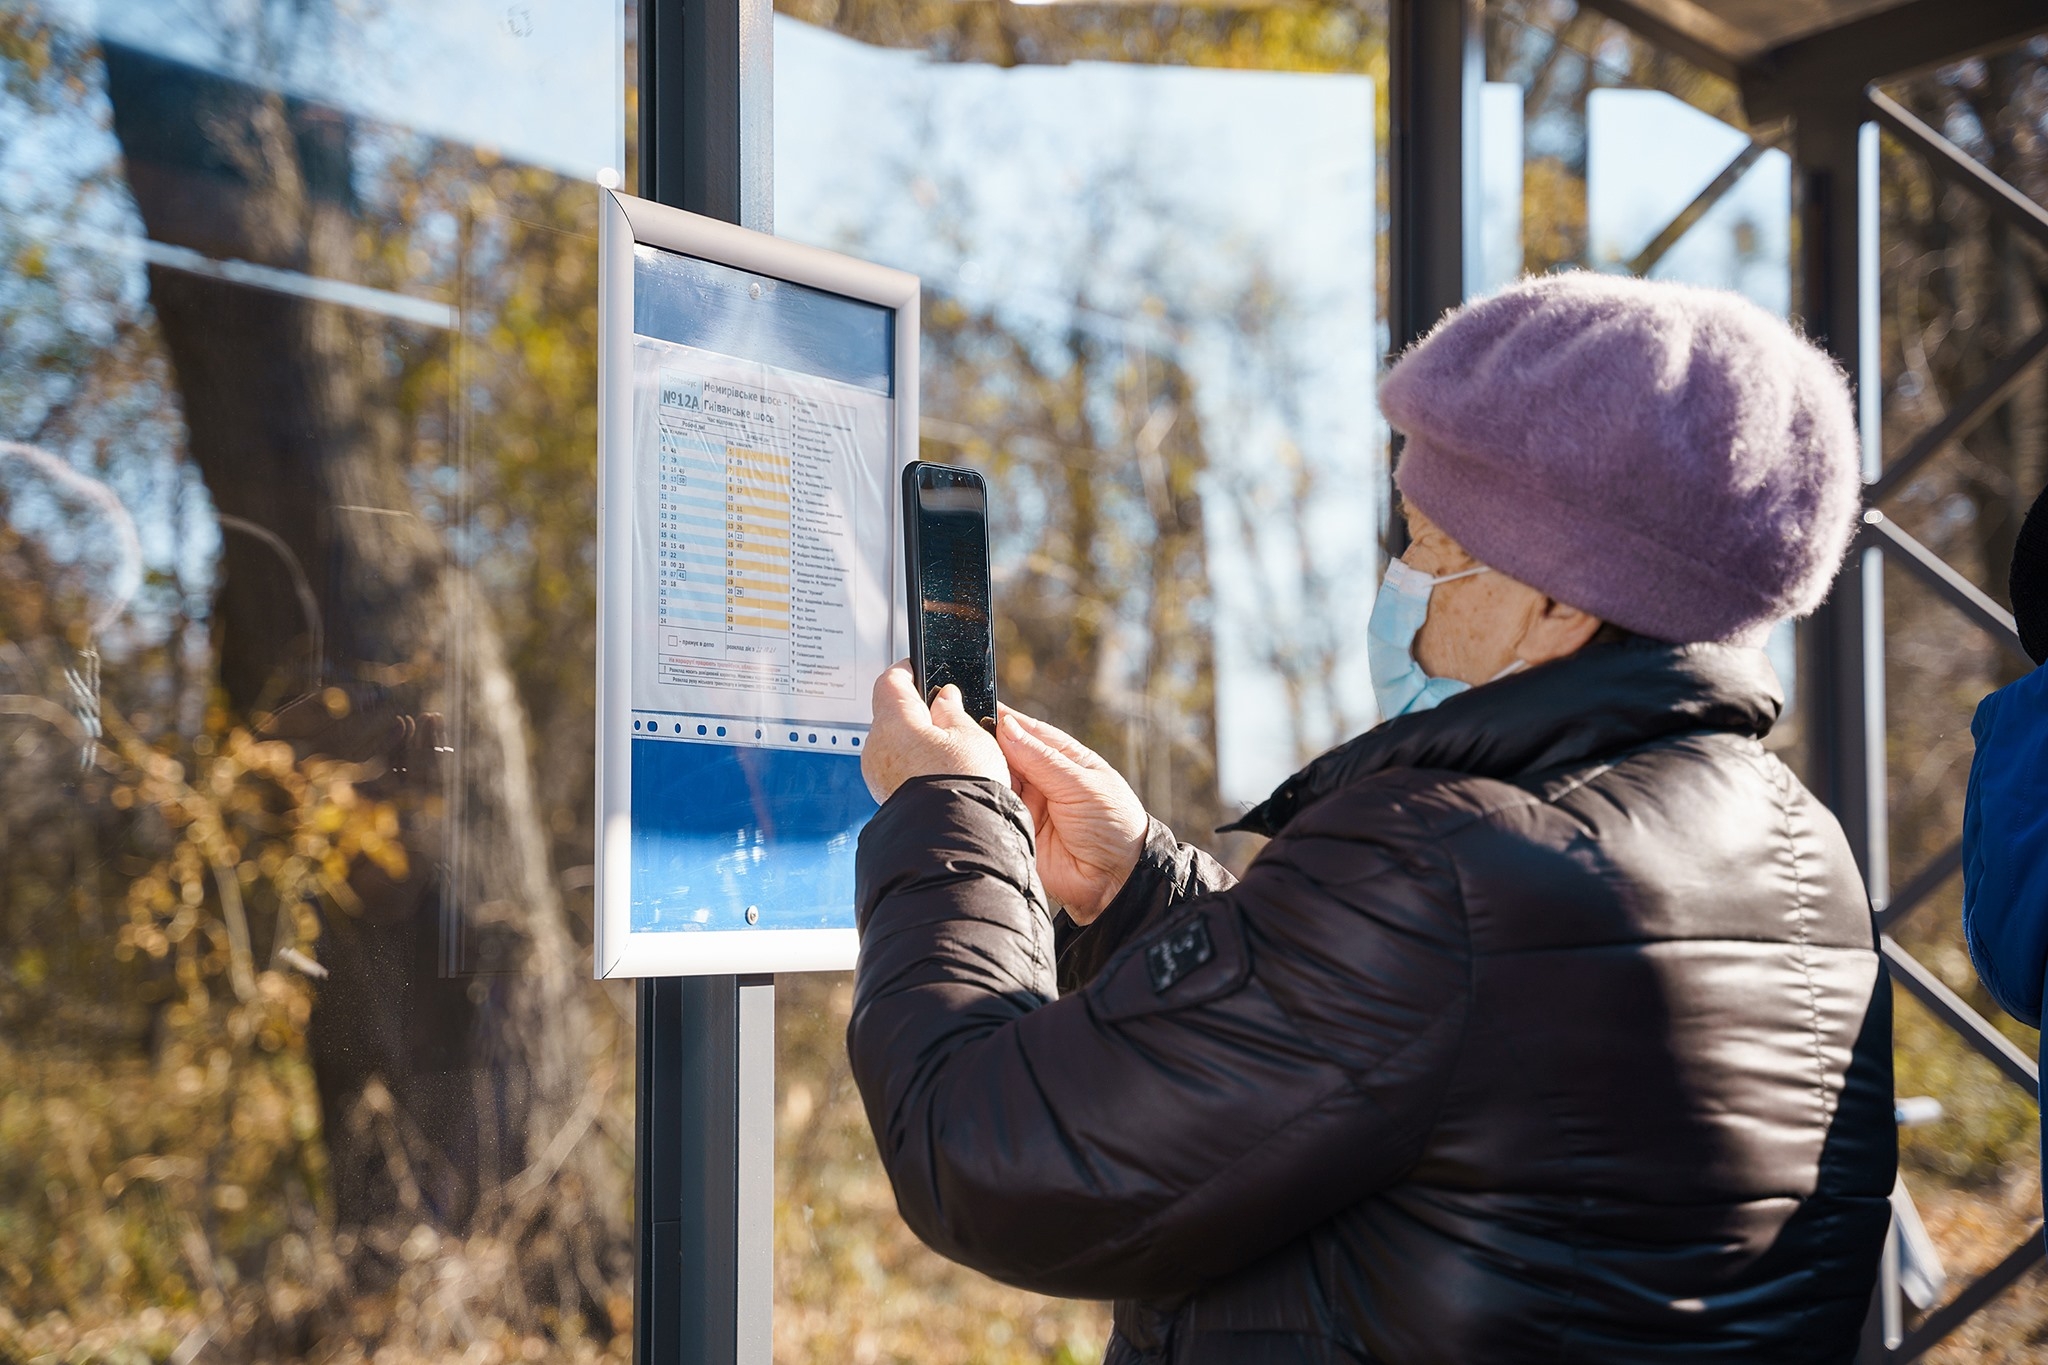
x,y
945,559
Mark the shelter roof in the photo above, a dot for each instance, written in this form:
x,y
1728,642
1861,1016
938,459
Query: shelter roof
x,y
1785,52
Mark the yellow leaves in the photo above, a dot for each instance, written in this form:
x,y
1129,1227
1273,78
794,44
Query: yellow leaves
x,y
25,43
334,866
326,819
389,856
1553,214
257,835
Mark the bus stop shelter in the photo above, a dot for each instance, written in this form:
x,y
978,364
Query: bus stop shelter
x,y
1810,70
301,1054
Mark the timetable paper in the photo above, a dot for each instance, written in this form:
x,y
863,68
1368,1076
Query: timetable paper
x,y
762,583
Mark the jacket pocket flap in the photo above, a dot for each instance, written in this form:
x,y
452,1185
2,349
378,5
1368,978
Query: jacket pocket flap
x,y
1192,958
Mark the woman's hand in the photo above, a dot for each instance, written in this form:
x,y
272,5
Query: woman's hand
x,y
910,739
1091,825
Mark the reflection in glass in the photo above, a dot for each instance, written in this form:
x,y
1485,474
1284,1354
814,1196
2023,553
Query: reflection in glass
x,y
1165,373
1150,322
298,1049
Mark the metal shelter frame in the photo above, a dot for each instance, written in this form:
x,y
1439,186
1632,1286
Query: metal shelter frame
x,y
704,1073
704,1144
1880,540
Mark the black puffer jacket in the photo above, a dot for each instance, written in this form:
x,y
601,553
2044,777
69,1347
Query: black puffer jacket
x,y
1547,1027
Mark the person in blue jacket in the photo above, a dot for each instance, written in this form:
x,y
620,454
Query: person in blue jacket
x,y
2005,814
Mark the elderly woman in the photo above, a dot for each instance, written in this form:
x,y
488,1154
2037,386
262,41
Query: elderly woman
x,y
1548,1025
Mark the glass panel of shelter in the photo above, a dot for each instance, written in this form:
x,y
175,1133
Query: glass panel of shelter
x,y
298,1043
1152,318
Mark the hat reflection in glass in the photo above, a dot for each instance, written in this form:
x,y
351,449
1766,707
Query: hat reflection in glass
x,y
2005,817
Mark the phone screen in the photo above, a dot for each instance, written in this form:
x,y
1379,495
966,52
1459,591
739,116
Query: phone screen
x,y
956,632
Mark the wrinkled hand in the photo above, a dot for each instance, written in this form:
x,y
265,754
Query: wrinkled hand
x,y
910,739
1091,826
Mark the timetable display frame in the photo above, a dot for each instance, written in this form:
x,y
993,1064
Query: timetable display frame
x,y
757,403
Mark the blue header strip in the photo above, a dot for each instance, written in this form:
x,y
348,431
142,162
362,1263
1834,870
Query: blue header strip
x,y
759,318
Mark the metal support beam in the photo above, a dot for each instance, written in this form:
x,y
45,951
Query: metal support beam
x,y
1963,416
1928,880
1646,260
1691,31
1834,64
1836,157
1957,1311
705,1171
1821,84
1972,1027
1909,554
707,108
1842,644
1957,165
1436,65
704,1148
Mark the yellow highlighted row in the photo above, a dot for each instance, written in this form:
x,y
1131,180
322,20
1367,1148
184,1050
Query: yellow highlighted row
x,y
759,622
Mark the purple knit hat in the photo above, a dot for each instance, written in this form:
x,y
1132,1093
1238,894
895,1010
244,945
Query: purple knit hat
x,y
1671,459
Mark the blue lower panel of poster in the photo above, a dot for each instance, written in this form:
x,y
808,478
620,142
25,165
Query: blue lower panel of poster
x,y
718,829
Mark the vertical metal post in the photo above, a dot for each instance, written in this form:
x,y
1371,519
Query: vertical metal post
x,y
704,1149
1842,645
1436,64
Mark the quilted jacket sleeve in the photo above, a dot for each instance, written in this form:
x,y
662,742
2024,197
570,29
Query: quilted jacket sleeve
x,y
1261,1057
1168,872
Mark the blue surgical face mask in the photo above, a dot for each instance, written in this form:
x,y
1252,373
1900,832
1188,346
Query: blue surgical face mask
x,y
1397,615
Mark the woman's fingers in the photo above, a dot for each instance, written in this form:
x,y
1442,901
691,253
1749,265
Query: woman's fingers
x,y
895,696
910,739
949,709
1028,792
1055,739
1040,763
